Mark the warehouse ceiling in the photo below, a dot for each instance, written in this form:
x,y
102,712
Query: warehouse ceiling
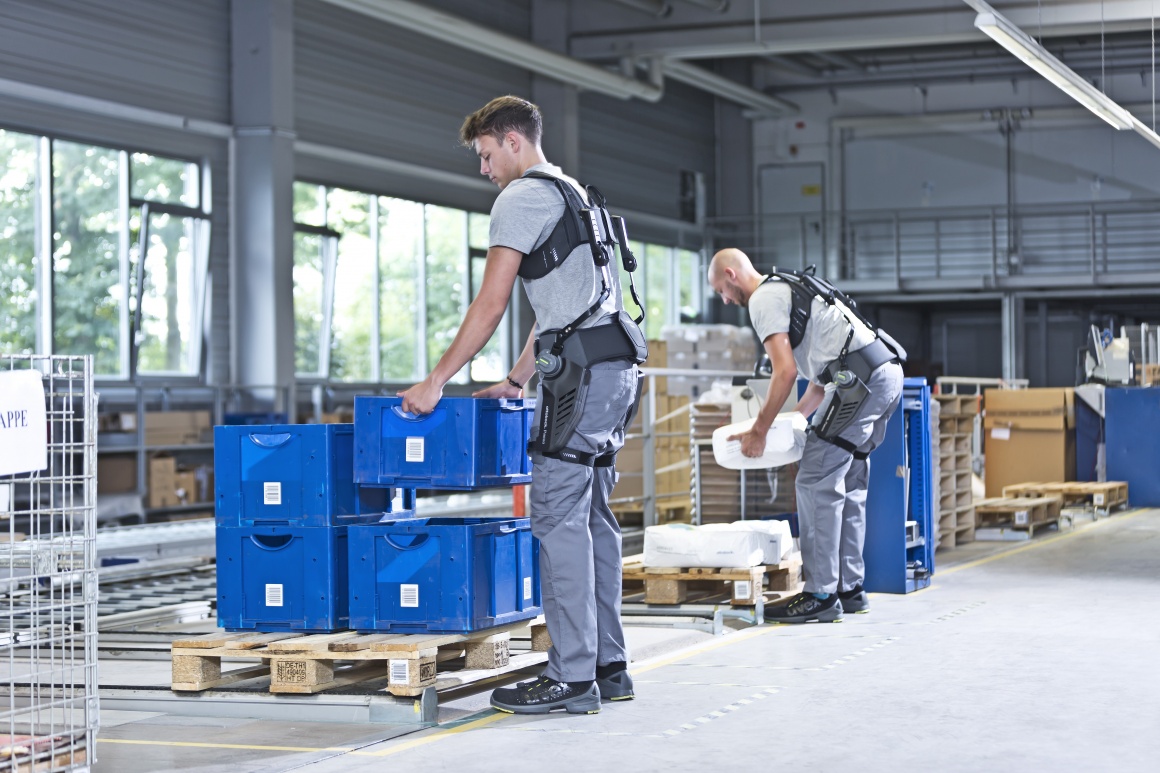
x,y
787,46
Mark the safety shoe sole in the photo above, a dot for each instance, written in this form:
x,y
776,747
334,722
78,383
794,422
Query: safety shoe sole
x,y
588,703
617,687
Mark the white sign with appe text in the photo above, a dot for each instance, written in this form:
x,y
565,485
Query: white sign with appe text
x,y
23,432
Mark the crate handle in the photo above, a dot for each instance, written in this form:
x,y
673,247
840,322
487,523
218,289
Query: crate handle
x,y
407,415
422,539
271,541
512,408
270,441
508,529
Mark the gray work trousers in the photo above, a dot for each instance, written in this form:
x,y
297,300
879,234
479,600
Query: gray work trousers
x,y
580,570
831,490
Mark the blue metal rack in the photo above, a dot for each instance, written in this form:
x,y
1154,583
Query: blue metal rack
x,y
901,490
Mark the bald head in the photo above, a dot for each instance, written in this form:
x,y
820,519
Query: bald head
x,y
733,277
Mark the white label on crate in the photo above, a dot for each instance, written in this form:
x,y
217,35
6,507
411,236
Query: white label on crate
x,y
527,589
1021,518
273,595
409,596
742,589
272,493
23,429
398,672
414,449
1097,499
1001,433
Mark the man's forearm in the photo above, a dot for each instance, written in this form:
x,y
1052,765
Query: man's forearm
x,y
525,366
780,387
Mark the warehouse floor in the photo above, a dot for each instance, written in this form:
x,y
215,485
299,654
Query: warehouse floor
x,y
1036,656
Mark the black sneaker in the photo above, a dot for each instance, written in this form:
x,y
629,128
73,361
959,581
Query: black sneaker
x,y
855,601
616,687
542,695
805,607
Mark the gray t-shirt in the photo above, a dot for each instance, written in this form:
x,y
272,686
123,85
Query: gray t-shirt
x,y
825,334
522,217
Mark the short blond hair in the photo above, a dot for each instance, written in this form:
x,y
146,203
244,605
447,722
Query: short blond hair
x,y
500,116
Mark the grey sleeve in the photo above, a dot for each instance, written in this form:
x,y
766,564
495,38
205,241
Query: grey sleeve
x,y
520,215
769,308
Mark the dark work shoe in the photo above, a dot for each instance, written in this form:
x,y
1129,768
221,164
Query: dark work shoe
x,y
615,687
542,695
855,601
805,607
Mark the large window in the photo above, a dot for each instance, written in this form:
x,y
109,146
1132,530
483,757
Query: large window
x,y
391,300
127,241
669,282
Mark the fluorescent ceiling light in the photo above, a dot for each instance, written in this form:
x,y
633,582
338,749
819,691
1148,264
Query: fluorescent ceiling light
x,y
1039,59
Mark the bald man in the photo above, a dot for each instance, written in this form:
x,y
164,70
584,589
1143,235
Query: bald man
x,y
833,474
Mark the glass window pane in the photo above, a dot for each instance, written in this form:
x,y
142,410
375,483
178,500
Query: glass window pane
x,y
446,231
489,364
307,302
163,179
478,226
348,213
657,279
401,272
689,285
87,294
18,263
309,204
168,319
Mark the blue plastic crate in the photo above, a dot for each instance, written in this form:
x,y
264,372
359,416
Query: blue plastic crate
x,y
464,444
291,475
282,578
443,575
252,419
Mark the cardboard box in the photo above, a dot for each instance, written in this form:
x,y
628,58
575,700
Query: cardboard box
x,y
175,428
162,481
1029,436
116,473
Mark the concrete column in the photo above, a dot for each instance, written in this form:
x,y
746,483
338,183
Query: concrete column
x,y
559,103
262,180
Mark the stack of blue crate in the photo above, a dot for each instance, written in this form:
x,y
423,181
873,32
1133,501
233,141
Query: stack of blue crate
x,y
442,575
285,500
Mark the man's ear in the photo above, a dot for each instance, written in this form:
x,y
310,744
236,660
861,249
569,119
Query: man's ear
x,y
732,274
514,140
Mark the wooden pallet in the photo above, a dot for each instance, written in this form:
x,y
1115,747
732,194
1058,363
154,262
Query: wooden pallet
x,y
305,664
671,585
36,754
1024,513
1099,495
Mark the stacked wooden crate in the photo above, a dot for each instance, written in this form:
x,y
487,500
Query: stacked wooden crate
x,y
956,514
767,492
671,460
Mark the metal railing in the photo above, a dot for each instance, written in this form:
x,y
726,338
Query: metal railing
x,y
971,246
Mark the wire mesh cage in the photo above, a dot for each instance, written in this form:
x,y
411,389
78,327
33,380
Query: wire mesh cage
x,y
48,584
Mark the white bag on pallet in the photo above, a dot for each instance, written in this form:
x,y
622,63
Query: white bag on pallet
x,y
717,546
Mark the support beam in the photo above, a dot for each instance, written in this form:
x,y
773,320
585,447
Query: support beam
x,y
1012,327
856,30
262,182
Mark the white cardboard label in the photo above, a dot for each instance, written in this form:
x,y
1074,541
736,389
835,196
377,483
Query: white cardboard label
x,y
409,596
742,589
23,430
1097,499
272,493
1021,518
415,449
397,672
527,589
273,595
1001,433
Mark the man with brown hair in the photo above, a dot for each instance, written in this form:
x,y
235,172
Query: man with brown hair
x,y
573,297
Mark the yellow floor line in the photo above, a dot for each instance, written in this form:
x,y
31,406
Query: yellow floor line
x,y
1037,544
226,745
439,736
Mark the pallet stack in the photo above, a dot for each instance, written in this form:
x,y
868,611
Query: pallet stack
x,y
956,513
767,492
